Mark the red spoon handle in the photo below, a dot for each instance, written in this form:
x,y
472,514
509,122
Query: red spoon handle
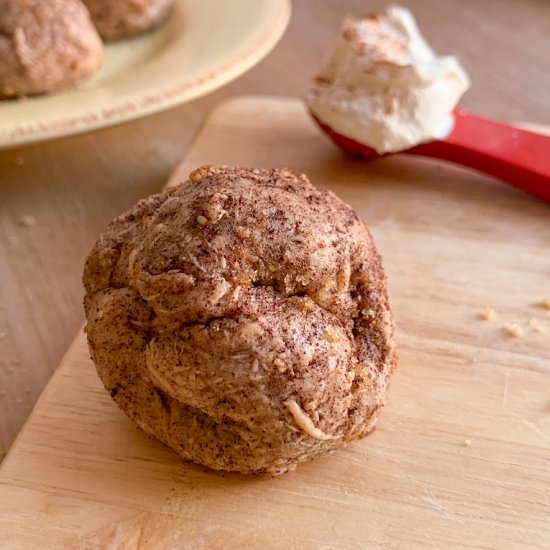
x,y
516,156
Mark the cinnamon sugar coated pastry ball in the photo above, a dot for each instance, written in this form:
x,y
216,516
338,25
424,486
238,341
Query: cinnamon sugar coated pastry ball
x,y
45,46
242,319
122,18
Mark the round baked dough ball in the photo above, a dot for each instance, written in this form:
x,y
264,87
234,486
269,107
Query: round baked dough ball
x,y
122,18
45,46
242,319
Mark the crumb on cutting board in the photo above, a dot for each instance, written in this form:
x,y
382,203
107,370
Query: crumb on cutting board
x,y
536,326
488,313
513,329
467,443
26,221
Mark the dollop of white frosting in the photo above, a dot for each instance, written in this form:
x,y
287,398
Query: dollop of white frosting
x,y
384,86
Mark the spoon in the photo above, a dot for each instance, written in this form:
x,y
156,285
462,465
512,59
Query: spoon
x,y
518,157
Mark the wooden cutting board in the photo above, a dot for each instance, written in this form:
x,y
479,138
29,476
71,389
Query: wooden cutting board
x,y
461,456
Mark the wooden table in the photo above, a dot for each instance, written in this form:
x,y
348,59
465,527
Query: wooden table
x,y
56,197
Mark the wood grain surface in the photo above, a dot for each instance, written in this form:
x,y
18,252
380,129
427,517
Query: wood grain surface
x,y
56,197
461,455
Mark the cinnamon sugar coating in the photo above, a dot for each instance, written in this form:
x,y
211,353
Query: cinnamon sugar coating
x,y
242,319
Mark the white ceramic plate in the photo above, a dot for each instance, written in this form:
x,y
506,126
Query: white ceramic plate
x,y
203,45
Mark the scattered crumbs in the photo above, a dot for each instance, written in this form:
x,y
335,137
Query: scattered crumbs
x,y
546,303
467,443
26,221
513,329
535,325
19,161
488,314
